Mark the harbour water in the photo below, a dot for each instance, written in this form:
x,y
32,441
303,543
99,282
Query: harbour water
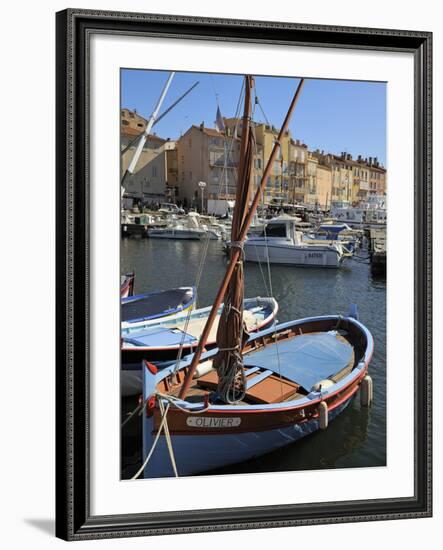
x,y
357,437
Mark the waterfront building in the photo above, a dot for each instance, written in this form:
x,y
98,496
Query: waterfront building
x,y
278,183
149,180
324,186
360,177
377,177
298,160
172,170
205,155
131,119
209,156
287,181
311,196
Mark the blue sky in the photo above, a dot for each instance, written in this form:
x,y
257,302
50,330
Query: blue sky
x,y
334,115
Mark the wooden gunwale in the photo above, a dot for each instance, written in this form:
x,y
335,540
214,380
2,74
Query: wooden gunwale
x,y
268,418
260,420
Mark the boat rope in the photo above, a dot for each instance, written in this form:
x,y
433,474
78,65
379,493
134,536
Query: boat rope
x,y
137,409
154,445
232,378
339,320
231,386
234,348
174,402
271,290
237,244
274,323
168,437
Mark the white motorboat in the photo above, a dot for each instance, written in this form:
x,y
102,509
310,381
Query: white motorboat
x,y
187,227
282,243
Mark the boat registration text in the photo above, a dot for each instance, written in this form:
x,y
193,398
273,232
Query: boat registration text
x,y
212,422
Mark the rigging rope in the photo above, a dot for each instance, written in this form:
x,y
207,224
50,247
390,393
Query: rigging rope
x,y
271,290
154,445
168,437
164,426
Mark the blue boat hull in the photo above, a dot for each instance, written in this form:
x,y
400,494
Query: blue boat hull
x,y
203,453
207,434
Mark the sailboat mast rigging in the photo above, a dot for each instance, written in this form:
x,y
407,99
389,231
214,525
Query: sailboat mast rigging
x,y
231,331
246,220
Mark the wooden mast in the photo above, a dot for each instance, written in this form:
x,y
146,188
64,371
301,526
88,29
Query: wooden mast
x,y
231,332
236,252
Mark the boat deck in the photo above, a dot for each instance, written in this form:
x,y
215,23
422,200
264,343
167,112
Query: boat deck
x,y
173,334
286,371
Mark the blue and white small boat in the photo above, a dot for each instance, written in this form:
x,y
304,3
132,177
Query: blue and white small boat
x,y
160,340
137,310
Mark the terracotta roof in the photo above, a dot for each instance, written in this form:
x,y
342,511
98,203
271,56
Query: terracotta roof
x,y
129,131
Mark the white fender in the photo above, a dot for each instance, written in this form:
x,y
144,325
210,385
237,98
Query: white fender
x,y
366,391
323,415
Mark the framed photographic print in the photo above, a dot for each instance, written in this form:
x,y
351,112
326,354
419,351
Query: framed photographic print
x,y
243,274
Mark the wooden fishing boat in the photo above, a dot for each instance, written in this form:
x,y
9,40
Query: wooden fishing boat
x,y
140,309
252,394
127,285
299,376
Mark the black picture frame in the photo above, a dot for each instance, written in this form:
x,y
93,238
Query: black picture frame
x,y
74,29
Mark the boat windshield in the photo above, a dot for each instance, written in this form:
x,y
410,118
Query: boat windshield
x,y
275,230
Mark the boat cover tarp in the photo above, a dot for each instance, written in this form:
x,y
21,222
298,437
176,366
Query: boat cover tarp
x,y
159,337
155,304
305,359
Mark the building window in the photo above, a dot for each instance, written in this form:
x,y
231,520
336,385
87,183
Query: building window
x,y
125,123
215,142
216,158
154,171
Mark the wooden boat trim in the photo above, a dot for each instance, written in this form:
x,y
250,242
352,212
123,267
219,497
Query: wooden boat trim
x,y
268,420
337,394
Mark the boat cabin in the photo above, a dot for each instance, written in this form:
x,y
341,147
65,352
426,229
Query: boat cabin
x,y
283,227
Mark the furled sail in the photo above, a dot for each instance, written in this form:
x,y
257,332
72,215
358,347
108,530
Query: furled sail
x,y
243,221
231,333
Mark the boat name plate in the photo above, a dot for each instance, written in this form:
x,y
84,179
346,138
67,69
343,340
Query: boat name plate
x,y
213,422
